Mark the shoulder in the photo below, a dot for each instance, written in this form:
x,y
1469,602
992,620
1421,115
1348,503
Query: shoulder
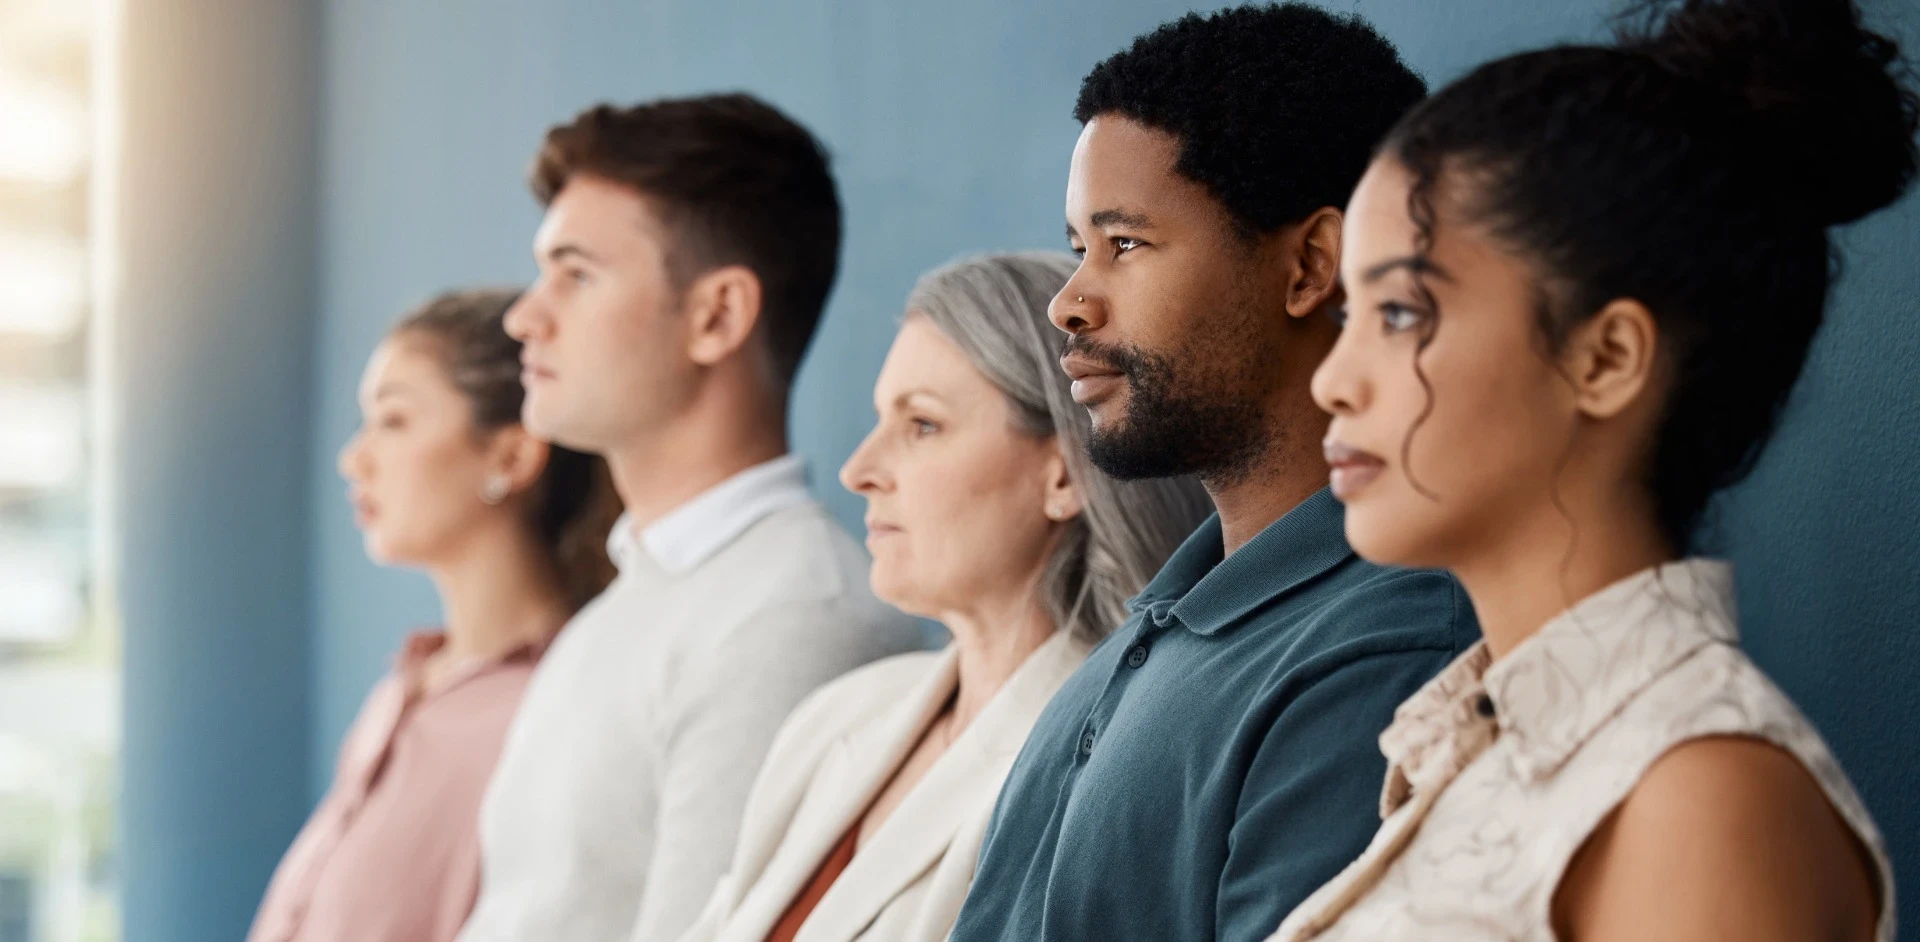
x,y
860,692
846,630
801,550
1363,612
1723,836
863,695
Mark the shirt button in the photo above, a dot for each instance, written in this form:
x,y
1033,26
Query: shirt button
x,y
1137,656
1086,743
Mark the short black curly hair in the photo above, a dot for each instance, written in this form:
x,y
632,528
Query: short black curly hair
x,y
1277,107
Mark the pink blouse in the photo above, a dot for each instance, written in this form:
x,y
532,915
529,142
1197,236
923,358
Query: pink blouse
x,y
392,852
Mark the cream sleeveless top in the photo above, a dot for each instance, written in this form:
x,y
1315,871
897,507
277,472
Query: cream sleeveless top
x,y
1498,772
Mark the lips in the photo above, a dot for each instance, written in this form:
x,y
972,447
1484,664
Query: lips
x,y
1350,470
363,509
531,371
880,529
1092,381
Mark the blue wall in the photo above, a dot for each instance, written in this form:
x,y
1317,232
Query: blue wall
x,y
951,130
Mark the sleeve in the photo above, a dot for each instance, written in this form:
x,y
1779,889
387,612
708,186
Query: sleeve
x,y
292,880
706,927
1311,801
733,703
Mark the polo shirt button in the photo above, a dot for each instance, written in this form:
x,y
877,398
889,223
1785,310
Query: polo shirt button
x,y
1137,656
1086,743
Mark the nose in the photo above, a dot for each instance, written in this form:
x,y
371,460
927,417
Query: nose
x,y
527,318
1340,385
352,462
862,472
1077,309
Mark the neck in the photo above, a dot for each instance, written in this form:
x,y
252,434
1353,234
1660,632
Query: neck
x,y
721,436
1543,565
499,593
1288,472
993,640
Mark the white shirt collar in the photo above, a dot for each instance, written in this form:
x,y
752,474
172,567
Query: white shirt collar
x,y
690,534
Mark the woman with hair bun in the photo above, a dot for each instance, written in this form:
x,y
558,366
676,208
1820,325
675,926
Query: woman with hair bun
x,y
442,478
1581,284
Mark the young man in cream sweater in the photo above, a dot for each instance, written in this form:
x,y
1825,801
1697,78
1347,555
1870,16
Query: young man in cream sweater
x,y
687,251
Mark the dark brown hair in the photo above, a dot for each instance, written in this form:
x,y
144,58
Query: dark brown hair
x,y
1695,165
737,183
573,506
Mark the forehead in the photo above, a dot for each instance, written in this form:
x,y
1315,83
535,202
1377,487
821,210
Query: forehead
x,y
923,358
1377,226
1119,163
403,362
593,211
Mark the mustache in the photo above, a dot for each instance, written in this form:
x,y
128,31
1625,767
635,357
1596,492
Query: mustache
x,y
1123,360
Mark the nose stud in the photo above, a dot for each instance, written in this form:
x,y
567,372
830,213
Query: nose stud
x,y
1082,299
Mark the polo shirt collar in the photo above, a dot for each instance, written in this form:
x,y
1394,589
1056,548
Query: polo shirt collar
x,y
693,532
1208,591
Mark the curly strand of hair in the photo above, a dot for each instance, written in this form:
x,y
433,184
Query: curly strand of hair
x,y
1420,210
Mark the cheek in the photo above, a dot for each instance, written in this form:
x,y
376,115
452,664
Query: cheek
x,y
1486,448
637,345
1164,305
972,524
429,492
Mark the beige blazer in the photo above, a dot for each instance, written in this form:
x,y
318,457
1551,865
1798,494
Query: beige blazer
x,y
836,752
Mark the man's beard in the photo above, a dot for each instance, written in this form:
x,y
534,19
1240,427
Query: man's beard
x,y
1206,421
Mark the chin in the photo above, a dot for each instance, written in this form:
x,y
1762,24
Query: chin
x,y
1386,538
385,551
548,426
896,591
1109,415
537,416
376,549
1371,533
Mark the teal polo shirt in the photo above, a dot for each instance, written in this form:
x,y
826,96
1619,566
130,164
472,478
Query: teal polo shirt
x,y
1217,758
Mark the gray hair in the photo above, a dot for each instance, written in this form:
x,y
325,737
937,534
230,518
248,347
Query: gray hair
x,y
994,308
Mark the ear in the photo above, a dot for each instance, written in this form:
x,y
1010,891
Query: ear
x,y
1612,359
722,308
1062,501
1316,264
516,453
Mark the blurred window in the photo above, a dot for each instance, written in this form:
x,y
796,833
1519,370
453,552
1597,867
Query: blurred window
x,y
59,641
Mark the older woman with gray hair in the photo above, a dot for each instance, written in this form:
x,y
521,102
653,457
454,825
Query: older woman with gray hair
x,y
984,514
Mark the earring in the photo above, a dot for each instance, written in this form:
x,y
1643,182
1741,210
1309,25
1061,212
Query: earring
x,y
494,492
1053,512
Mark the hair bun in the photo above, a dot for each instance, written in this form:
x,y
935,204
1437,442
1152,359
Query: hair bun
x,y
1833,121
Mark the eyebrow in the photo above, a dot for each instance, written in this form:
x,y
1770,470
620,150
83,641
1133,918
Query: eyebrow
x,y
568,249
901,400
1108,218
1415,264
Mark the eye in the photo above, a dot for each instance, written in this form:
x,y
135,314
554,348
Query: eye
x,y
577,275
1078,250
1338,314
1124,244
922,428
1398,318
393,422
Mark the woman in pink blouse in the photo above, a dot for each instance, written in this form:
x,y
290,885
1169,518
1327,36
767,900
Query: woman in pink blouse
x,y
513,532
